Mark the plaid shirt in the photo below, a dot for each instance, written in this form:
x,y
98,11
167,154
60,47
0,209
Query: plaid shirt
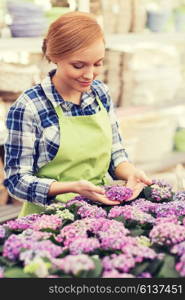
x,y
33,136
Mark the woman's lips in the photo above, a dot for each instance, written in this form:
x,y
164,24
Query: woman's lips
x,y
85,83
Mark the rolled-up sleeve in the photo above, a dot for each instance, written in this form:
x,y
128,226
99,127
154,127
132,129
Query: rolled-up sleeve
x,y
21,157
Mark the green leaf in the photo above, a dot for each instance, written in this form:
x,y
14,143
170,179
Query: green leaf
x,y
136,231
102,253
139,268
50,230
168,268
131,224
54,241
120,219
74,209
154,266
180,219
66,222
97,270
147,192
6,262
16,273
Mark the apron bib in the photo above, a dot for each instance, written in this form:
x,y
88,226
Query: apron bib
x,y
84,153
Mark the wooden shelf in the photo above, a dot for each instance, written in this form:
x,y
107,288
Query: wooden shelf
x,y
113,41
9,212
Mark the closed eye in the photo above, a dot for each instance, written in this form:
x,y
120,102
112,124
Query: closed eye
x,y
78,66
99,64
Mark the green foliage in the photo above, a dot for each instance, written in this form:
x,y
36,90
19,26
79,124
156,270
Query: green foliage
x,y
168,268
16,272
97,270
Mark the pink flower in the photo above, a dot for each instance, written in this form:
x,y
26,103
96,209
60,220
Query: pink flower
x,y
118,193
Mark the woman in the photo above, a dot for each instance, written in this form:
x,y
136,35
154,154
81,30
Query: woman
x,y
63,134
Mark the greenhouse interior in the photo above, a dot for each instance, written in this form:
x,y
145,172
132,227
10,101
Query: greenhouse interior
x,y
143,69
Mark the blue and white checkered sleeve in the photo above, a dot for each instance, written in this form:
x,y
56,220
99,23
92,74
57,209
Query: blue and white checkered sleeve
x,y
20,155
118,154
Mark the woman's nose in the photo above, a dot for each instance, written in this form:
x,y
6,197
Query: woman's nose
x,y
89,74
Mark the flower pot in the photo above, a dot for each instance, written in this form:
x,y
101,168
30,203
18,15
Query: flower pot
x,y
156,21
179,140
179,19
27,19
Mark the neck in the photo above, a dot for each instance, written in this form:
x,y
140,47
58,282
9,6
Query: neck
x,y
65,93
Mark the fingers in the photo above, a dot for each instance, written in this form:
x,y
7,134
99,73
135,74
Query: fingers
x,y
101,199
104,200
142,177
88,186
137,190
131,182
98,190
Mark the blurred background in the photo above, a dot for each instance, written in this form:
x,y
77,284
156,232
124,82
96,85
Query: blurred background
x,y
144,69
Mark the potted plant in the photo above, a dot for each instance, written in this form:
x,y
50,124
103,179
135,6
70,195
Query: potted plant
x,y
179,16
158,14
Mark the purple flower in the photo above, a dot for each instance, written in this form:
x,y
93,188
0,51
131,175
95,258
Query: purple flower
x,y
178,249
74,264
47,221
118,193
167,234
145,275
130,213
114,241
180,266
159,190
28,256
34,235
170,219
17,243
161,183
81,228
144,205
121,262
49,247
109,226
179,196
72,231
116,274
13,246
22,223
91,211
140,252
173,208
83,245
78,201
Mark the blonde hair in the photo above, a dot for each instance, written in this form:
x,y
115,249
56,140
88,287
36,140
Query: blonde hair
x,y
69,33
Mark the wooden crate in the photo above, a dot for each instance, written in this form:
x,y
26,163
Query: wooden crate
x,y
139,16
117,16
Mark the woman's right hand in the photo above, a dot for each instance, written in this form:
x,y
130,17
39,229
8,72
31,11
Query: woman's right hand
x,y
92,192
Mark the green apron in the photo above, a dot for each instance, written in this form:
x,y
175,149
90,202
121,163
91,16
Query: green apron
x,y
84,153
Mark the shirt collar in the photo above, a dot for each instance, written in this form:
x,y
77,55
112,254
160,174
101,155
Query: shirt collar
x,y
56,99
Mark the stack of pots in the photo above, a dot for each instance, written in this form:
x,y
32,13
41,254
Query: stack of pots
x,y
27,19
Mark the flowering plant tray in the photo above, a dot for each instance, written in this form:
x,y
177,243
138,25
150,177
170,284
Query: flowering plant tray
x,y
142,238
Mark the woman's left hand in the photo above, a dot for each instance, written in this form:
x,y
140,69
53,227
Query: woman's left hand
x,y
137,181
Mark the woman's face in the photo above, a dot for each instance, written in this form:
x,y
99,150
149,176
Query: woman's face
x,y
77,71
